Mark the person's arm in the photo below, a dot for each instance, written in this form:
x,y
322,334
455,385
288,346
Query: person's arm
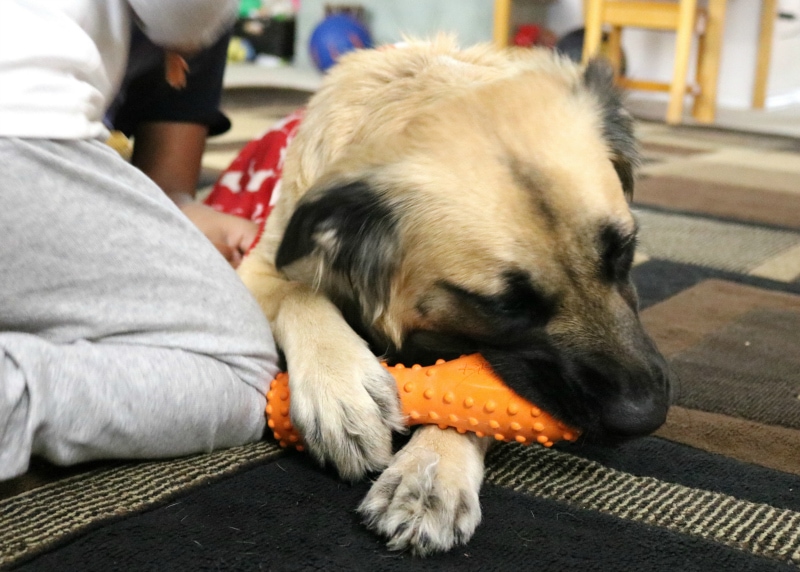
x,y
171,154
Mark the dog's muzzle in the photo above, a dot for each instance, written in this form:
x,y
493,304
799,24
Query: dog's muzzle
x,y
609,400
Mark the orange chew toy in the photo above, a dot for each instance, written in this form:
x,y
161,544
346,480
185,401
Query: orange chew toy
x,y
463,394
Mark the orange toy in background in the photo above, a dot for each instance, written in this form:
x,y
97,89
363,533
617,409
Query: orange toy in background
x,y
463,394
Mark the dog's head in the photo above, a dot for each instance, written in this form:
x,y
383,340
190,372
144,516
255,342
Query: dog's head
x,y
486,214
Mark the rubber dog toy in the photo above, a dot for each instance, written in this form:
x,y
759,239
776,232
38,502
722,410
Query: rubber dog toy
x,y
463,394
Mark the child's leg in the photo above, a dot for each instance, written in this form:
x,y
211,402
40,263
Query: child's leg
x,y
82,401
123,332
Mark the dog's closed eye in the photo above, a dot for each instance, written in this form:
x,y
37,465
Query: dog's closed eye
x,y
520,306
617,248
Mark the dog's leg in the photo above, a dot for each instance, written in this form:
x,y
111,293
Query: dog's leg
x,y
427,500
344,402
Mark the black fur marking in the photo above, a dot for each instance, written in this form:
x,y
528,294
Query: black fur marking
x,y
424,543
539,374
411,496
425,347
462,507
387,484
462,512
432,502
617,122
355,232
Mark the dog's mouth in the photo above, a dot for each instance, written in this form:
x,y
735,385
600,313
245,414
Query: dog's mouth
x,y
609,403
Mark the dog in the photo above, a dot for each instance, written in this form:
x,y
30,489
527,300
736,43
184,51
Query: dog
x,y
438,202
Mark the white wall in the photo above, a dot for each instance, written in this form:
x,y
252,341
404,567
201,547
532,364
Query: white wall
x,y
784,83
470,20
390,20
649,53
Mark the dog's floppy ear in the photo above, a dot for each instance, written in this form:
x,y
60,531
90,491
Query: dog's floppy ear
x,y
598,77
353,232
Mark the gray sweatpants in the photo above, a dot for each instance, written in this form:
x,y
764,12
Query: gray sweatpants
x,y
123,333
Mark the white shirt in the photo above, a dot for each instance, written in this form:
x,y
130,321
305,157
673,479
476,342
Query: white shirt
x,y
62,61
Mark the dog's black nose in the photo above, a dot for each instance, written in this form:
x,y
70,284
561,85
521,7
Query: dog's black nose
x,y
633,417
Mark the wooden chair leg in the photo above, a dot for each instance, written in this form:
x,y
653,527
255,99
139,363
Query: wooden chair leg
x,y
683,47
701,54
767,27
705,104
502,22
592,28
615,50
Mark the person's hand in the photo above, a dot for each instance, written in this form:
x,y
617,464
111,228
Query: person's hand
x,y
171,153
232,235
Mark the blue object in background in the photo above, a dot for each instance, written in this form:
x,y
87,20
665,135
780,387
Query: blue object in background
x,y
336,35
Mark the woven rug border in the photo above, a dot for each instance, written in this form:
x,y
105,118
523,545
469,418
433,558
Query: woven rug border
x,y
756,528
75,504
35,520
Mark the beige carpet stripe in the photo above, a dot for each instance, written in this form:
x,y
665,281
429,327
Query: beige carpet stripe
x,y
737,202
682,321
756,528
784,267
705,168
748,441
771,161
722,245
35,519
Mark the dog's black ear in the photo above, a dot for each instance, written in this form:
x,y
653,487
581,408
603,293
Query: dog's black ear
x,y
353,232
598,77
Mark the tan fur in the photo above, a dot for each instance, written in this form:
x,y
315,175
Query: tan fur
x,y
456,128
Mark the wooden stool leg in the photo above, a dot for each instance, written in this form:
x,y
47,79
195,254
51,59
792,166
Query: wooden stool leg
x,y
502,22
683,48
593,28
768,13
705,104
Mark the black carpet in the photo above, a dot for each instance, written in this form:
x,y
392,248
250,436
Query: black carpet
x,y
287,514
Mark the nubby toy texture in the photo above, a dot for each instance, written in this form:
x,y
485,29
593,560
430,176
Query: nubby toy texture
x,y
463,394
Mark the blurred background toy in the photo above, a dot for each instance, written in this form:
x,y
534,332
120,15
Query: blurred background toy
x,y
269,26
240,50
529,35
337,34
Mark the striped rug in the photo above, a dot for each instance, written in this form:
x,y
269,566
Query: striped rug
x,y
717,488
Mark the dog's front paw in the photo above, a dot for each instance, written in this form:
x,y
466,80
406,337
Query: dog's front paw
x,y
346,412
424,503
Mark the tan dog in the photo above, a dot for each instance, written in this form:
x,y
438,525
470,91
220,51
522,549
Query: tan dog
x,y
437,202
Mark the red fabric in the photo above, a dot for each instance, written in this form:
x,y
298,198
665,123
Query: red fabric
x,y
250,186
